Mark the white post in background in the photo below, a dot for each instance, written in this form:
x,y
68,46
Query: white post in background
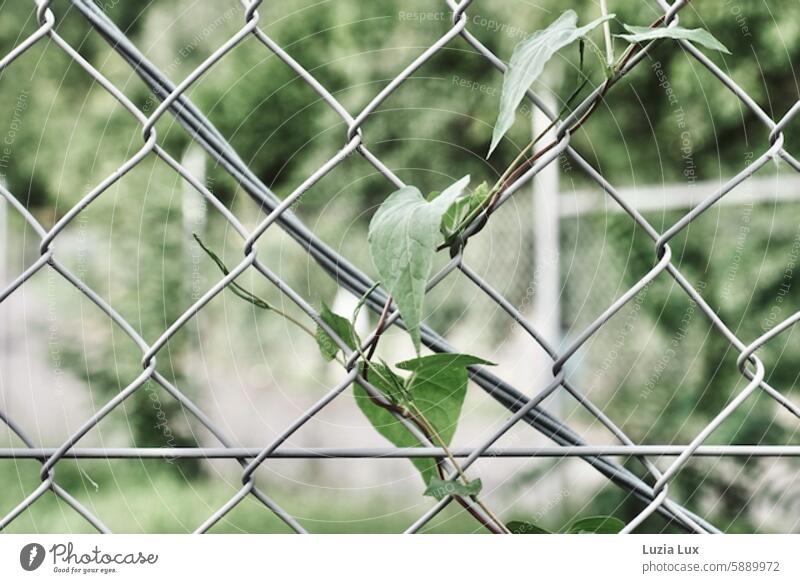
x,y
193,204
546,316
546,280
193,212
4,238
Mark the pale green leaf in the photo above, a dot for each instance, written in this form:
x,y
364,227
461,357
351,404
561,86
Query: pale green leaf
x,y
403,236
525,527
360,304
434,391
700,36
341,326
596,525
439,488
455,215
386,381
462,209
528,61
437,387
233,286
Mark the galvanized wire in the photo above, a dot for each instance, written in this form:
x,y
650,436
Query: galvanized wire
x,y
279,215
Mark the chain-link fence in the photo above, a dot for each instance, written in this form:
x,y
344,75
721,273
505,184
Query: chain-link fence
x,y
524,406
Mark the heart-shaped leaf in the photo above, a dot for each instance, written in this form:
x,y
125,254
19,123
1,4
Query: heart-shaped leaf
x,y
403,237
387,382
438,386
343,329
434,391
439,488
596,525
462,209
528,61
525,527
700,36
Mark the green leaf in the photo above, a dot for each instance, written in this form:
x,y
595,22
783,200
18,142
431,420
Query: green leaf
x,y
454,216
361,301
596,525
437,387
435,391
528,61
641,34
439,488
341,326
386,381
462,209
403,236
524,527
233,286
383,378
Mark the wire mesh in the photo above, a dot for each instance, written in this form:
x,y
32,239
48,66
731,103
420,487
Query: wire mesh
x,y
655,492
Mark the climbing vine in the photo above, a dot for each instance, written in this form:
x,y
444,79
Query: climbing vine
x,y
423,402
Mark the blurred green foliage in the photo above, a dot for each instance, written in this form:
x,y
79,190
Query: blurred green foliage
x,y
669,121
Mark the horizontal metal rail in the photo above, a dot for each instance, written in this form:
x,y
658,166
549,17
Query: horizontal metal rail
x,y
401,452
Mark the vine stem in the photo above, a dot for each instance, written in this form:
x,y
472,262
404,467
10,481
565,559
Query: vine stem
x,y
487,524
499,185
379,328
517,168
511,174
418,418
437,439
255,300
424,426
295,321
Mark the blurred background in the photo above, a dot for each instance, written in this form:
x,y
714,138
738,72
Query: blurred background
x,y
667,136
